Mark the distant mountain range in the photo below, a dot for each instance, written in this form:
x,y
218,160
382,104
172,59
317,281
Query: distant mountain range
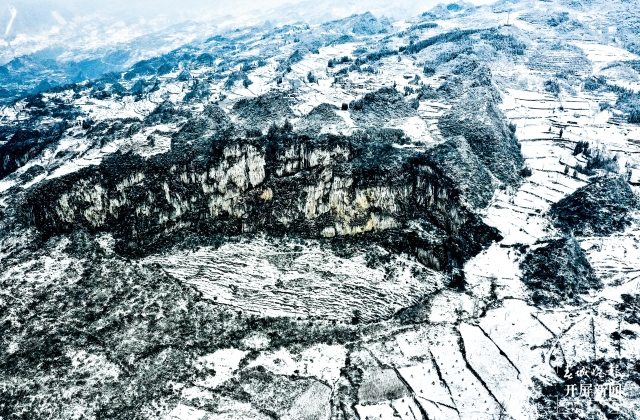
x,y
322,211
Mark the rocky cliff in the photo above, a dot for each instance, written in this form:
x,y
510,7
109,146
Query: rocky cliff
x,y
327,186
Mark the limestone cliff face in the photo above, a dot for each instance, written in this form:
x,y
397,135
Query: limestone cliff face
x,y
328,186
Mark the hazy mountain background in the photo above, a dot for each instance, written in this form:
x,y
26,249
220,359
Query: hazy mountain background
x,y
28,26
51,43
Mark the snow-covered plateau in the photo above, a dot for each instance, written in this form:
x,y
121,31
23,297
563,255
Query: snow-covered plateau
x,y
432,218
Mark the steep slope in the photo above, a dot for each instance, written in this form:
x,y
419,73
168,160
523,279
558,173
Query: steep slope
x,y
602,207
435,218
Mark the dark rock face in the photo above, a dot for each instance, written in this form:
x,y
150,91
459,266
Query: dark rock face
x,y
377,108
32,173
328,186
263,110
630,306
478,119
223,177
23,146
558,272
599,208
472,178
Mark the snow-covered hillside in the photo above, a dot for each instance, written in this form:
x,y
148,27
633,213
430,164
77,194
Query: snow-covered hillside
x,y
361,218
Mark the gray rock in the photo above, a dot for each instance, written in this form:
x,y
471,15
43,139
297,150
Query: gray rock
x,y
599,208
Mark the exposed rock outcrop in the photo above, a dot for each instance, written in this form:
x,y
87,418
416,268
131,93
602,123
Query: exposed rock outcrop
x,y
558,271
24,145
262,111
478,119
457,161
330,186
379,107
599,208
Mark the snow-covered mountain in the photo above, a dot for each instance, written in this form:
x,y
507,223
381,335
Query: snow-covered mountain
x,y
411,214
52,43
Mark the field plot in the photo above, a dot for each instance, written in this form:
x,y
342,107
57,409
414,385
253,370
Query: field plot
x,y
300,280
